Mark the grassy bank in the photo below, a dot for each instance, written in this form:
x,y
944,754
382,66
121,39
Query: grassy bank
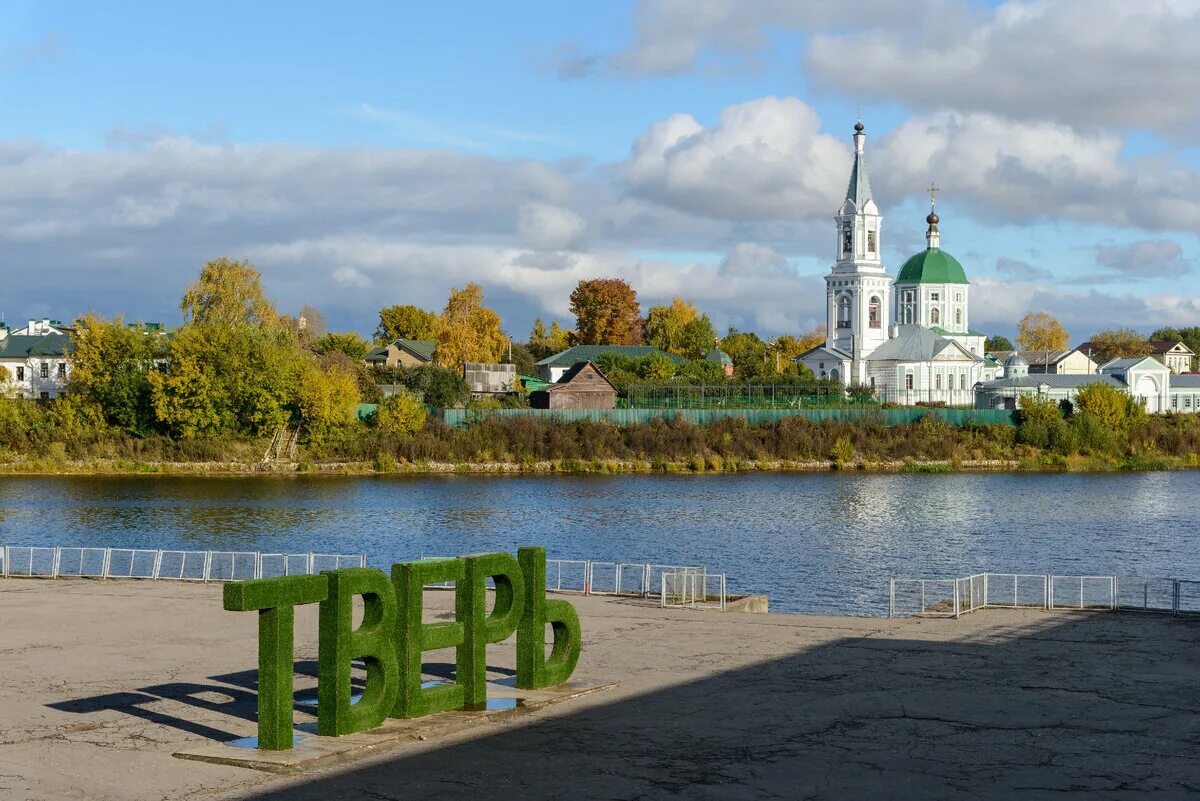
x,y
698,465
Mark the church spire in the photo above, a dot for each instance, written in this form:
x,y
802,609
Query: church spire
x,y
933,239
859,191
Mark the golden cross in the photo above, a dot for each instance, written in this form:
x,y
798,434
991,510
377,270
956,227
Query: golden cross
x,y
933,190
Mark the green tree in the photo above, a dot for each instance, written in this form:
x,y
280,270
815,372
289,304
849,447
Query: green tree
x,y
1113,408
437,386
656,367
1189,336
1119,343
405,322
228,293
327,401
996,343
401,414
749,354
468,331
606,313
348,343
664,327
109,368
697,338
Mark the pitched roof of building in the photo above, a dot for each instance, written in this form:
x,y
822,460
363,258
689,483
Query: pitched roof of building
x,y
1125,364
719,356
21,346
916,343
932,266
421,348
1054,381
575,370
593,353
1166,345
1186,381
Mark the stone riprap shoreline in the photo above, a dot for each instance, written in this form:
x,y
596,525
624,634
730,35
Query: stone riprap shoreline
x,y
104,681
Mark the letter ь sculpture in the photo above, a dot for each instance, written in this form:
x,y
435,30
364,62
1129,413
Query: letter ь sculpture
x,y
392,638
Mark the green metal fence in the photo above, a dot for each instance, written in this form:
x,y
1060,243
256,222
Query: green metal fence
x,y
462,417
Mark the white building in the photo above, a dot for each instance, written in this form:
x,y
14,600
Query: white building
x,y
1148,380
910,340
37,365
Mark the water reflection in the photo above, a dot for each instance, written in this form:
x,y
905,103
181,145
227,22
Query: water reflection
x,y
814,543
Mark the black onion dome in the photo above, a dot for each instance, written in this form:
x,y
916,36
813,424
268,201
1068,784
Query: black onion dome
x,y
858,126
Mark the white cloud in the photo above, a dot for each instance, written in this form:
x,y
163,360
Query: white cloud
x,y
1145,258
351,277
545,227
764,159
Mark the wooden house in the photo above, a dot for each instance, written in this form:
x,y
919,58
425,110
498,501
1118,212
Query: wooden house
x,y
583,386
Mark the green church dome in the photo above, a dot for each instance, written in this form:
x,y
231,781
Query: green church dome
x,y
932,266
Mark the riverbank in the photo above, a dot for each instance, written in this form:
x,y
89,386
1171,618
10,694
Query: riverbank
x,y
698,465
105,681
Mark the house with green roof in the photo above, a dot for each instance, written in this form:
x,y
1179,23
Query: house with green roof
x,y
552,368
406,353
37,365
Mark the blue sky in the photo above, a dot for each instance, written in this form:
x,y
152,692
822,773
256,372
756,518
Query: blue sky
x,y
384,153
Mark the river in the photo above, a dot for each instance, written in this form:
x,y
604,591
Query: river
x,y
819,543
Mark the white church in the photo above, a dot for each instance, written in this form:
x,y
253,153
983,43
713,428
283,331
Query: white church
x,y
909,338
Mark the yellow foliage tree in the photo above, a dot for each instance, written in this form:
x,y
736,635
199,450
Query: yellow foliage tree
x,y
1041,331
328,400
468,331
401,414
665,325
228,293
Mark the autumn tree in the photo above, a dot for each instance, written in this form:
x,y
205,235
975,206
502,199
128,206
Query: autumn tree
x,y
606,313
347,342
109,369
312,321
664,325
402,414
543,343
228,293
1119,343
327,399
468,331
697,338
405,322
1041,331
749,353
1112,407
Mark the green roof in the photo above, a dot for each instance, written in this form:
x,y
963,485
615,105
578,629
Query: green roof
x,y
593,353
932,266
421,348
942,332
719,356
22,347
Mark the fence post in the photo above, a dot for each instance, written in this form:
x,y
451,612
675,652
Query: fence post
x,y
362,560
107,563
1048,592
257,565
587,578
1174,593
956,598
312,562
157,565
207,566
6,561
891,597
57,561
985,591
662,599
617,570
1112,590
722,592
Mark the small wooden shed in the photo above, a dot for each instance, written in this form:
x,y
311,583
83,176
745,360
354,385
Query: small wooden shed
x,y
583,386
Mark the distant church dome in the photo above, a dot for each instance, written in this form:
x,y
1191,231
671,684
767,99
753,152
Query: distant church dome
x,y
1016,360
932,266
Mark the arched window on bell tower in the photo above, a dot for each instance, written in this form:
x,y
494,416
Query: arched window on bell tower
x,y
843,312
935,318
847,240
873,313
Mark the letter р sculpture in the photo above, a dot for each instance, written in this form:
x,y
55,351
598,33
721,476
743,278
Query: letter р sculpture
x,y
392,638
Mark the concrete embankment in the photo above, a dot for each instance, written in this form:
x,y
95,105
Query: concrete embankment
x,y
104,681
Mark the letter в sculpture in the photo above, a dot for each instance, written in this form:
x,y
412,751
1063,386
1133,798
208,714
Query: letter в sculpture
x,y
275,599
534,669
414,637
340,642
480,628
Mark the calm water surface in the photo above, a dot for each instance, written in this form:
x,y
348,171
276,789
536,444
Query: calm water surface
x,y
815,543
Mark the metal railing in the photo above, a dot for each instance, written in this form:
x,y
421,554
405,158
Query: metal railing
x,y
954,597
163,565
692,588
586,577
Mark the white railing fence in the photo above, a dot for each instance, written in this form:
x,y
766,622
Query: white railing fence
x,y
909,597
631,579
693,588
160,565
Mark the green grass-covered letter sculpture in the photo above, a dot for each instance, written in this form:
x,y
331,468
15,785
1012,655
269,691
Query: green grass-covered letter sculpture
x,y
480,628
414,637
392,638
275,600
340,642
534,669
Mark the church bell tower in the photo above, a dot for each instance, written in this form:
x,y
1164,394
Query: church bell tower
x,y
858,291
